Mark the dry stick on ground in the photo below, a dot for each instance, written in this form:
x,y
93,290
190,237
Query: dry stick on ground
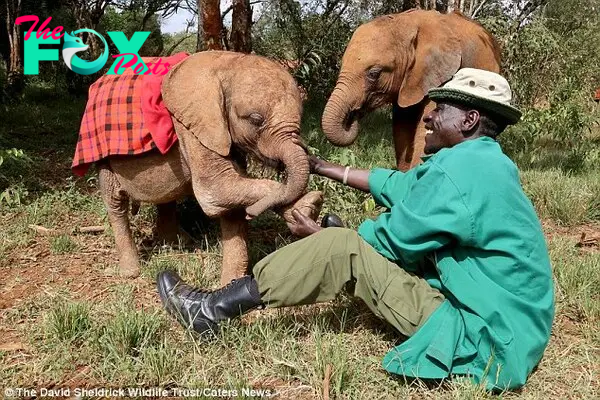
x,y
326,380
51,232
43,231
92,229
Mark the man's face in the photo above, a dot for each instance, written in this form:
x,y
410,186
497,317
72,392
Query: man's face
x,y
444,127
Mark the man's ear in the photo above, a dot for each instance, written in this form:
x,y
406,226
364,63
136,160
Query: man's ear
x,y
470,120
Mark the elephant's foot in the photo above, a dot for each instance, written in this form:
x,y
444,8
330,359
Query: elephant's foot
x,y
310,205
129,266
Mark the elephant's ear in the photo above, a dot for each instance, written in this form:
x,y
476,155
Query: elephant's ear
x,y
195,98
435,58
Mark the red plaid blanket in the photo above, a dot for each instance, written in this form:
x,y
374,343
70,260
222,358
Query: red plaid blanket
x,y
124,115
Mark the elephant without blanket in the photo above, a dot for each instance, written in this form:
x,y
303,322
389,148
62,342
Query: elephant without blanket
x,y
397,59
223,106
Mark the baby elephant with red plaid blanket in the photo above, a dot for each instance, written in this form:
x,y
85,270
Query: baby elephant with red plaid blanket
x,y
222,106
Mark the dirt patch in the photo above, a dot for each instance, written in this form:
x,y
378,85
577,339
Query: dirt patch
x,y
586,236
86,274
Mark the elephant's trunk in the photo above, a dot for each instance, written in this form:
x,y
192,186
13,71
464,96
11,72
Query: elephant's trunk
x,y
340,119
296,164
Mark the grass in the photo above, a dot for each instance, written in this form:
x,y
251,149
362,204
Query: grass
x,y
68,322
63,244
578,280
78,325
566,199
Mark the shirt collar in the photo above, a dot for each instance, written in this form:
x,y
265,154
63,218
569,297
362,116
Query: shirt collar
x,y
482,138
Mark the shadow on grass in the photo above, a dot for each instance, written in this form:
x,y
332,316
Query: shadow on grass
x,y
345,315
45,125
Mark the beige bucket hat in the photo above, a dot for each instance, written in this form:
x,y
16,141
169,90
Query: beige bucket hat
x,y
481,89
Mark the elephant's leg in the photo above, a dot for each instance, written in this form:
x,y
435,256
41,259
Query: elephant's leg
x,y
117,206
409,133
234,237
217,203
166,225
221,186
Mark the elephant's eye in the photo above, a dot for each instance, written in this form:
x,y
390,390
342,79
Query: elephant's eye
x,y
374,73
256,119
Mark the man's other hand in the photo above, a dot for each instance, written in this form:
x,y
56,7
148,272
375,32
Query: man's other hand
x,y
304,226
315,164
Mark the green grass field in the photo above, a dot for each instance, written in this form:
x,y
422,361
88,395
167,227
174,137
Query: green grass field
x,y
68,320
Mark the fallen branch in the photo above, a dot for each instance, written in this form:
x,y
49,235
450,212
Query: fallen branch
x,y
43,230
52,232
92,229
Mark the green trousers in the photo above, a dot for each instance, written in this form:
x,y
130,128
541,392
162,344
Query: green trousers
x,y
315,269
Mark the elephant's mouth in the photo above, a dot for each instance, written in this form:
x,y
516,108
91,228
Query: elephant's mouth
x,y
265,168
354,116
277,165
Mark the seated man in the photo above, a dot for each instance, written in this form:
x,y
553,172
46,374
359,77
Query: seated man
x,y
458,262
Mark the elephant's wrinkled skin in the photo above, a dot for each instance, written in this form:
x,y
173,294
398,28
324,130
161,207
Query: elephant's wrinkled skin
x,y
223,105
397,59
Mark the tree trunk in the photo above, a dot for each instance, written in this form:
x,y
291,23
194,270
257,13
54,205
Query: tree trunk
x,y
451,6
408,4
15,38
88,15
200,45
210,26
442,6
241,26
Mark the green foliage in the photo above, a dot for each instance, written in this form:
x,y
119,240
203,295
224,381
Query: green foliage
x,y
14,195
564,198
177,42
11,161
550,62
68,322
555,137
132,20
12,154
129,332
577,277
311,40
62,244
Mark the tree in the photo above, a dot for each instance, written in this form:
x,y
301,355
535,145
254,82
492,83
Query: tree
x,y
15,38
241,27
88,14
210,25
130,20
145,10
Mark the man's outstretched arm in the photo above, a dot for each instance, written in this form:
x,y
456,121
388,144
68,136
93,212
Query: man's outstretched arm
x,y
355,177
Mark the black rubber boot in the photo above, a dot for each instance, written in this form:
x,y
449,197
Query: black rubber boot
x,y
331,220
204,309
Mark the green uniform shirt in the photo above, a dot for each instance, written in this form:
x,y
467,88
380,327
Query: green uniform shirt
x,y
464,209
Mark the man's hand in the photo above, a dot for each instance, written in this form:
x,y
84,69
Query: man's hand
x,y
304,226
315,164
